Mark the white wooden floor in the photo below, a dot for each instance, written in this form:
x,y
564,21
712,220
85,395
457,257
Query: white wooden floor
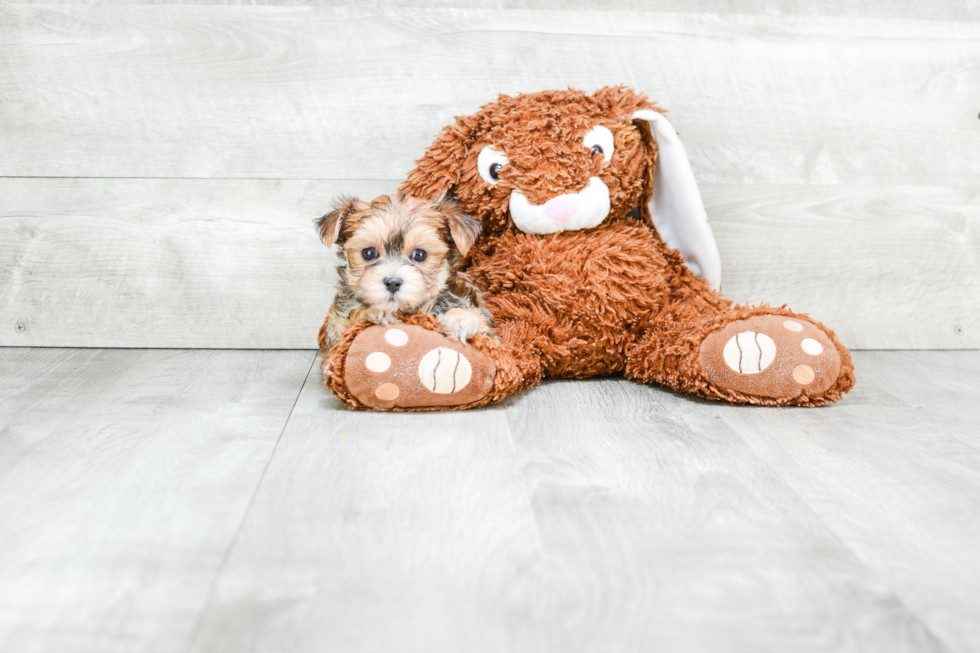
x,y
167,500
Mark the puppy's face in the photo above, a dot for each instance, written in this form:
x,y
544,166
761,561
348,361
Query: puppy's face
x,y
399,251
396,258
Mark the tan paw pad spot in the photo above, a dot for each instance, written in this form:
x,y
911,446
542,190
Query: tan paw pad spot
x,y
377,362
749,352
396,337
803,374
792,325
444,371
811,346
387,392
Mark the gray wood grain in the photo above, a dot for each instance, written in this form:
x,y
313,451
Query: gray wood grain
x,y
922,9
146,505
836,153
895,473
166,263
236,263
667,533
124,477
585,516
886,268
357,93
380,532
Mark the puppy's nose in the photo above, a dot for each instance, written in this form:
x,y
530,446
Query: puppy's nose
x,y
393,284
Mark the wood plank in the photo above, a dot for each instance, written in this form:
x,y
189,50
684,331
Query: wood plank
x,y
885,267
236,263
581,516
357,93
946,387
124,477
669,534
166,263
923,9
894,471
610,516
379,532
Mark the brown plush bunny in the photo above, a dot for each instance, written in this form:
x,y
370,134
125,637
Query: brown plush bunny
x,y
596,258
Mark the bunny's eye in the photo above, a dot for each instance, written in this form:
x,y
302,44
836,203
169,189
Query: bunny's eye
x,y
489,164
600,141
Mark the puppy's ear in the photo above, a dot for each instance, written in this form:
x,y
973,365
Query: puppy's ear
x,y
331,225
441,167
462,227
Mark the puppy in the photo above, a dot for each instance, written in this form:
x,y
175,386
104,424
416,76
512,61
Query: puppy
x,y
400,255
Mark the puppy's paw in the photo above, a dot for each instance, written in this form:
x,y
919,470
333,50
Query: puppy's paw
x,y
376,316
462,324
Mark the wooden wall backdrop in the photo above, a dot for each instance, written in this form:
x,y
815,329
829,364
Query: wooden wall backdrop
x,y
160,165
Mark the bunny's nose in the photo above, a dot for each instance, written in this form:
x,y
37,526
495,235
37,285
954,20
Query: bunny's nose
x,y
560,209
393,284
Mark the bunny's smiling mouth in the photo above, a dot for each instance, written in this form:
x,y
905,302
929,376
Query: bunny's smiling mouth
x,y
569,212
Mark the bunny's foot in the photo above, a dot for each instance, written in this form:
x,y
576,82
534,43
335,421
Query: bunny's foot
x,y
408,367
772,356
763,356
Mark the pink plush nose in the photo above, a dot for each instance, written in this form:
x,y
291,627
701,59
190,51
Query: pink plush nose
x,y
561,208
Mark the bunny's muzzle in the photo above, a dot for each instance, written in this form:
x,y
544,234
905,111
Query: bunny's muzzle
x,y
569,212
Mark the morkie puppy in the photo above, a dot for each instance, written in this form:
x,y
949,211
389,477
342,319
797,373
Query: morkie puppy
x,y
400,256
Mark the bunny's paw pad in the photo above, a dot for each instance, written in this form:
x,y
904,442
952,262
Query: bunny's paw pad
x,y
407,366
771,356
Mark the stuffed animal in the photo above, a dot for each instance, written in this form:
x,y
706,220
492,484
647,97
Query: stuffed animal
x,y
596,258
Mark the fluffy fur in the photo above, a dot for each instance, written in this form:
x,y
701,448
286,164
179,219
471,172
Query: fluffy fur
x,y
380,279
610,299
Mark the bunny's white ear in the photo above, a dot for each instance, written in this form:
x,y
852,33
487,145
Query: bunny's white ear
x,y
677,210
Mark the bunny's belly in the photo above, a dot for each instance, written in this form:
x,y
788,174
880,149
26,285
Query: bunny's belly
x,y
587,292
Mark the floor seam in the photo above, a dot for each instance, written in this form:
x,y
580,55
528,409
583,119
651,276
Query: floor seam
x,y
199,623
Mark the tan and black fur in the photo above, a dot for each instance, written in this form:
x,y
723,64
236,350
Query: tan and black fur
x,y
395,227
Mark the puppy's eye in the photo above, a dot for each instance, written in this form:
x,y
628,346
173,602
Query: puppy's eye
x,y
489,164
369,254
419,255
600,141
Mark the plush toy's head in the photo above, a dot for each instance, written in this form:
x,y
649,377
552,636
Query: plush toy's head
x,y
543,162
564,160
